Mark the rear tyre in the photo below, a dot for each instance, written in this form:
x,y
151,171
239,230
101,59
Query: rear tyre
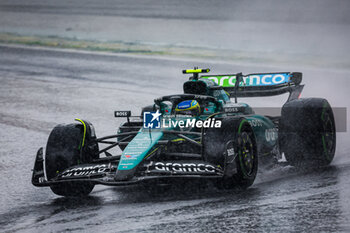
x,y
307,133
62,152
233,147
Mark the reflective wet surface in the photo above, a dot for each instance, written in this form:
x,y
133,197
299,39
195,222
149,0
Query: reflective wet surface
x,y
40,88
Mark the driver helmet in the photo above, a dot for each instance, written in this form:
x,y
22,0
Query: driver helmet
x,y
188,107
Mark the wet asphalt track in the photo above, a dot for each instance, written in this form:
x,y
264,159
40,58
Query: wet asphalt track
x,y
39,88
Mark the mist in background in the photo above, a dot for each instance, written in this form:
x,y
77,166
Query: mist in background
x,y
41,87
315,31
238,36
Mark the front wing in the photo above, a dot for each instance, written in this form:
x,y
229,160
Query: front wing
x,y
106,173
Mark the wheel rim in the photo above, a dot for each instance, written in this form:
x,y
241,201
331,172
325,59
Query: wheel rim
x,y
246,153
328,136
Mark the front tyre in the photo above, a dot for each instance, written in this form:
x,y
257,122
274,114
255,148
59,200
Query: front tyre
x,y
63,151
72,189
233,147
246,157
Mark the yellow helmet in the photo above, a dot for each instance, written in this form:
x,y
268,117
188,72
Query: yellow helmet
x,y
188,107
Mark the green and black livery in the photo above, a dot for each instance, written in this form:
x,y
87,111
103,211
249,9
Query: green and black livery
x,y
228,155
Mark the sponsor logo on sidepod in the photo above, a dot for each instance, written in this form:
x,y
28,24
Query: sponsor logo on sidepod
x,y
271,134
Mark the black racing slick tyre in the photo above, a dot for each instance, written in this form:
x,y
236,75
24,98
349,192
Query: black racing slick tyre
x,y
62,152
307,134
233,147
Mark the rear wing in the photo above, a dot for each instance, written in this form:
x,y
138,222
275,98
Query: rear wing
x,y
261,84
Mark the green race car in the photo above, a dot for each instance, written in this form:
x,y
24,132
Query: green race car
x,y
200,134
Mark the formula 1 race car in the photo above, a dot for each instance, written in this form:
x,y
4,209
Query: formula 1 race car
x,y
199,134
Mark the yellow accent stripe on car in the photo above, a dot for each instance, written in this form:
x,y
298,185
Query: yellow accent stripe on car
x,y
151,152
81,121
177,140
214,114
